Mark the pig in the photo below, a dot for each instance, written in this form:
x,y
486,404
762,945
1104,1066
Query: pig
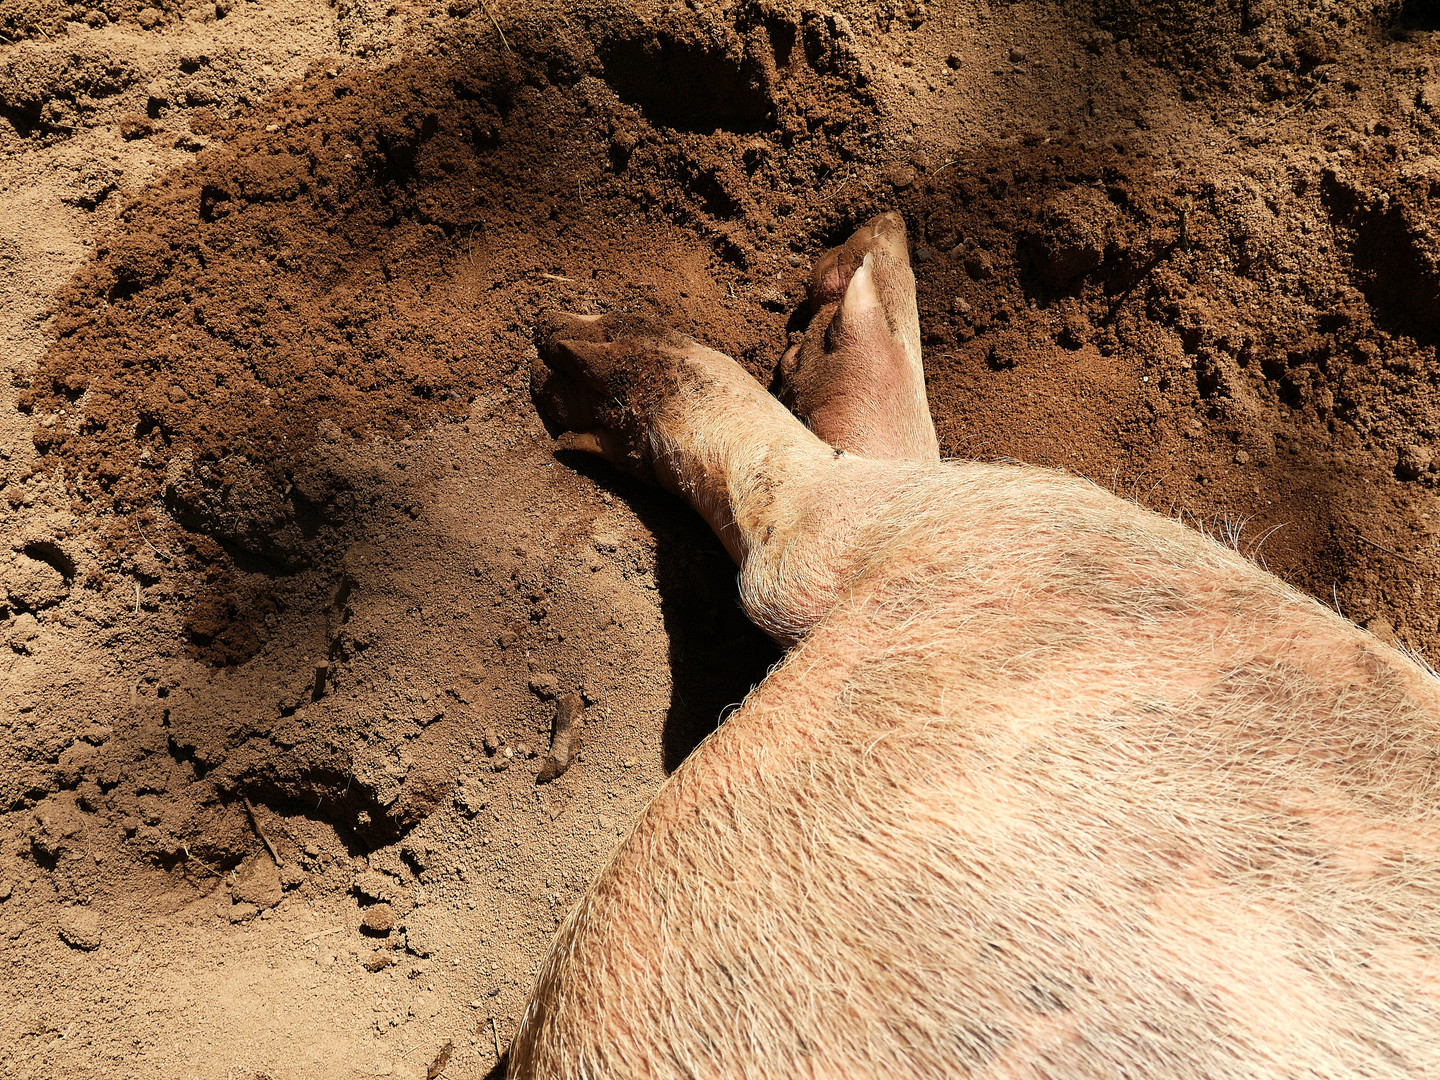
x,y
1046,784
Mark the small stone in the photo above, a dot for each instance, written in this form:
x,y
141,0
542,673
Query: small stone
x,y
491,741
502,760
1241,457
177,393
80,929
923,254
901,176
1248,58
960,306
271,129
239,913
378,919
525,750
544,684
312,850
1017,55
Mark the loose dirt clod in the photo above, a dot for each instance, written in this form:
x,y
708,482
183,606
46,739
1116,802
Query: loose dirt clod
x,y
378,919
379,960
568,711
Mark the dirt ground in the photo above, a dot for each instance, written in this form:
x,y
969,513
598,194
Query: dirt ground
x,y
294,584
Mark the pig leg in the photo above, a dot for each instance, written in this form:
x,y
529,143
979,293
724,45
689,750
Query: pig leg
x,y
856,379
787,506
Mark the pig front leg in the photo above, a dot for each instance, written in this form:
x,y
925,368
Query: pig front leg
x,y
786,505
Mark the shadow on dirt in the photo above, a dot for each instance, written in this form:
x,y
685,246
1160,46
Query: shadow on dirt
x,y
716,654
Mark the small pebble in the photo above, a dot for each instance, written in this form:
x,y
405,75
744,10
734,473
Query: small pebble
x,y
960,306
1017,56
923,254
491,741
1241,457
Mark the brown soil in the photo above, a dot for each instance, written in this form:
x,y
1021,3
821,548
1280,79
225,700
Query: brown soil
x,y
273,273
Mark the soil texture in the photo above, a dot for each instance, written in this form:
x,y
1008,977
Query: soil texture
x,y
296,591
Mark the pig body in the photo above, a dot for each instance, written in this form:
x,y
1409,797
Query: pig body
x,y
1047,785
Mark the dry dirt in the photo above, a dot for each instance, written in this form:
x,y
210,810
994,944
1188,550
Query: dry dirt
x,y
271,270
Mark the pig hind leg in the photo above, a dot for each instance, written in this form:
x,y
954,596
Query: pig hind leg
x,y
856,379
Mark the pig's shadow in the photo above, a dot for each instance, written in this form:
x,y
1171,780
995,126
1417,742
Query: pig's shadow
x,y
716,653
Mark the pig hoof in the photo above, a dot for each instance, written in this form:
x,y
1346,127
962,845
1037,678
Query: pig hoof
x,y
599,381
856,379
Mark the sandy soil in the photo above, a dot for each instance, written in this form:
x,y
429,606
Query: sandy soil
x,y
271,271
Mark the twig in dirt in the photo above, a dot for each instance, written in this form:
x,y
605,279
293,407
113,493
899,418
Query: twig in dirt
x,y
200,862
319,934
1119,301
164,555
557,277
317,686
1388,551
255,824
495,24
495,1034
